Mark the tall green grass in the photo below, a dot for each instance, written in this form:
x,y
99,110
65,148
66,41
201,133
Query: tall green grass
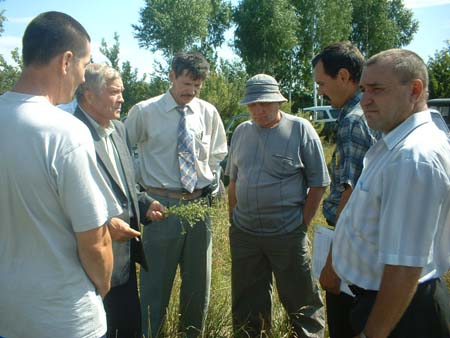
x,y
218,323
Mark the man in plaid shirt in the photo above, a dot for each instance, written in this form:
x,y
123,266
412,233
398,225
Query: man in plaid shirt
x,y
337,70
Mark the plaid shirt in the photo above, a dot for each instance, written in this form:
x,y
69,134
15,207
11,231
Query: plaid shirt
x,y
353,139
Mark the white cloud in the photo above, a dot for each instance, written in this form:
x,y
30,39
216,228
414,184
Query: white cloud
x,y
20,20
424,3
7,44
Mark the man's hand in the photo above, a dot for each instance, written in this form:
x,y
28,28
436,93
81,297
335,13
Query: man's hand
x,y
329,280
121,231
155,211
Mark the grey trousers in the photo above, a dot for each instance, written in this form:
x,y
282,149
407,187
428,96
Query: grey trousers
x,y
167,244
254,259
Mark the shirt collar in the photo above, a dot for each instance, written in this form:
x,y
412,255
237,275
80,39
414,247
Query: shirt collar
x,y
102,132
400,132
170,104
348,106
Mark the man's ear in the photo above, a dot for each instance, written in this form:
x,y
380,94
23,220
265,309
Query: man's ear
x,y
172,76
89,96
416,88
343,75
67,60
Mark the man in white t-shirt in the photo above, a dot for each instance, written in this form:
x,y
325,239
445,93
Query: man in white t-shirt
x,y
55,252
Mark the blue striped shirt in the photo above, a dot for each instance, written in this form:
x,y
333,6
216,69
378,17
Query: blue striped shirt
x,y
353,139
399,211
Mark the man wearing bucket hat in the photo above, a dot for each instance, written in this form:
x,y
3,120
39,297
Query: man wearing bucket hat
x,y
277,178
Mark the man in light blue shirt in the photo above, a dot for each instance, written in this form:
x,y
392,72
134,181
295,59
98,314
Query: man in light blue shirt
x,y
391,240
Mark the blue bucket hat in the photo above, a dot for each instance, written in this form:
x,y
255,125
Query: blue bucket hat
x,y
262,88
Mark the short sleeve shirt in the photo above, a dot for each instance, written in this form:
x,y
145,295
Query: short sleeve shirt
x,y
273,169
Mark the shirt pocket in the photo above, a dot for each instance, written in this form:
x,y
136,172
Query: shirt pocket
x,y
201,144
365,219
285,165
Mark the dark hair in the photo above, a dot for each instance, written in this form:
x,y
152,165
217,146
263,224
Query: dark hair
x,y
341,55
50,34
194,63
405,64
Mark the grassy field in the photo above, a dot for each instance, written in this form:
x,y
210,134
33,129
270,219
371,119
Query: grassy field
x,y
219,316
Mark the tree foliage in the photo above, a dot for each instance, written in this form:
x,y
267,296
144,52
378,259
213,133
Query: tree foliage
x,y
173,26
439,72
265,34
225,87
318,27
9,74
2,19
381,24
282,36
135,89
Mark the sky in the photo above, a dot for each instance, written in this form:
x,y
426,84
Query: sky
x,y
102,18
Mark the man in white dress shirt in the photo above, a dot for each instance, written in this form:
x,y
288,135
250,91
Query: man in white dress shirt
x,y
391,242
155,126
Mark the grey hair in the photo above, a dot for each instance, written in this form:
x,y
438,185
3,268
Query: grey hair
x,y
406,64
97,76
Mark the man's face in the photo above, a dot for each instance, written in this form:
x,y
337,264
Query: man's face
x,y
106,105
386,102
76,72
265,114
184,87
329,87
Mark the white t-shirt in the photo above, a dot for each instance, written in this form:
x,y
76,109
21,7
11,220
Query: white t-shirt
x,y
50,189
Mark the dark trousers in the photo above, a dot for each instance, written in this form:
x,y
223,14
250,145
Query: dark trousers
x,y
254,259
427,316
338,315
123,311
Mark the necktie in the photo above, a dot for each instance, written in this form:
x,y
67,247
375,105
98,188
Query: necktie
x,y
186,156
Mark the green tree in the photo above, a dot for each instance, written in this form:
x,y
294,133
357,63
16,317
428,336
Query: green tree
x,y
112,54
265,34
381,24
9,74
174,26
2,19
439,72
136,89
225,87
318,27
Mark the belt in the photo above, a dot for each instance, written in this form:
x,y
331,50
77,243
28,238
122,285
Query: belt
x,y
176,194
361,292
331,224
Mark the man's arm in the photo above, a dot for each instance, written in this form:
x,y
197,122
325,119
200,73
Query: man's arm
x,y
329,280
121,231
398,285
344,199
95,252
231,198
155,211
312,203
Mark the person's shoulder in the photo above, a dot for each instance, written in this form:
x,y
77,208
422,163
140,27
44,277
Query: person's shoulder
x,y
204,105
152,100
119,126
69,123
355,114
297,121
243,127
